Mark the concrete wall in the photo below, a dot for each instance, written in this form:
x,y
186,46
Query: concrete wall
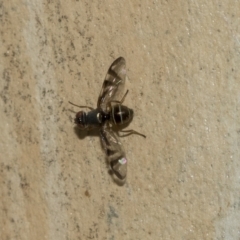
x,y
183,61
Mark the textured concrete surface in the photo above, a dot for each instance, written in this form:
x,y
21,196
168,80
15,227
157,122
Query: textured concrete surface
x,y
183,61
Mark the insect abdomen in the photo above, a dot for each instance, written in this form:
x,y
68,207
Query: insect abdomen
x,y
121,114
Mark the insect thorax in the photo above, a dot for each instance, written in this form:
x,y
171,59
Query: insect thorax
x,y
96,118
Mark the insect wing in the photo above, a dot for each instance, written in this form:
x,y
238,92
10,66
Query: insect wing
x,y
115,154
113,83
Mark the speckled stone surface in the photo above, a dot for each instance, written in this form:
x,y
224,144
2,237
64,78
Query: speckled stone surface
x,y
183,61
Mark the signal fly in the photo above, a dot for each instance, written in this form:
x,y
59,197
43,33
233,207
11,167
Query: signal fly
x,y
110,112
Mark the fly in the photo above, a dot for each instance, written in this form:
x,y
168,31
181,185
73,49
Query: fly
x,y
110,112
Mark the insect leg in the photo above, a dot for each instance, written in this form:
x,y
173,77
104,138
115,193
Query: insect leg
x,y
81,106
124,97
120,102
129,132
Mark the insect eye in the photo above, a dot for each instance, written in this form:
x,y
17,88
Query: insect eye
x,y
80,119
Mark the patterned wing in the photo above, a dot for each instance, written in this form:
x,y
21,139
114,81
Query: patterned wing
x,y
115,154
113,83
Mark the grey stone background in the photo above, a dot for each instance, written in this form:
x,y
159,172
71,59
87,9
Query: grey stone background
x,y
183,61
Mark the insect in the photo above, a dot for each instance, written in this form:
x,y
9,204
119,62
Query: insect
x,y
110,112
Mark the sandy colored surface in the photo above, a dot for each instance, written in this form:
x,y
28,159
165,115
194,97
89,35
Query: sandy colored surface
x,y
183,61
